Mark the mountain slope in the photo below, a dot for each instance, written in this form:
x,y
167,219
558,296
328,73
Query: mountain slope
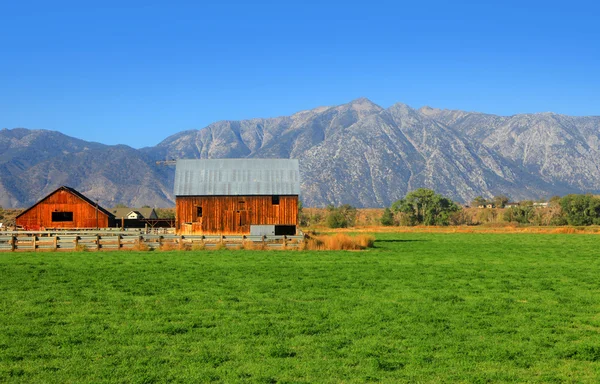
x,y
356,153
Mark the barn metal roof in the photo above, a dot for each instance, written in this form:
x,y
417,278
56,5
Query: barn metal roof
x,y
237,177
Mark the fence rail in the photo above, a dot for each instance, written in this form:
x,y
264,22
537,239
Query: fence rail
x,y
54,240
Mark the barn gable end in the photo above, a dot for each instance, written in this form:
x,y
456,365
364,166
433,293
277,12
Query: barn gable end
x,y
64,208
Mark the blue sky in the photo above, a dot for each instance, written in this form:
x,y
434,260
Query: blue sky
x,y
137,72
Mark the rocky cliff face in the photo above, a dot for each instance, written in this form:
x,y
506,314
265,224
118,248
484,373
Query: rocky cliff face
x,y
357,153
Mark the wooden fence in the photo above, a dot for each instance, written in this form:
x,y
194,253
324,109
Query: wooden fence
x,y
111,240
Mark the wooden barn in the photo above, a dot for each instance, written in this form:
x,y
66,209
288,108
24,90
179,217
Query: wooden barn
x,y
65,208
237,196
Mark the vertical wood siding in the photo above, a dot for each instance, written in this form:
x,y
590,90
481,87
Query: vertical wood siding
x,y
84,214
233,214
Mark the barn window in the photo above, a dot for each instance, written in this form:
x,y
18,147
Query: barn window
x,y
275,199
198,211
62,216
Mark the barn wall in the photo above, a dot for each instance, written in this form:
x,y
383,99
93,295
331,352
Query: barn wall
x,y
233,214
84,214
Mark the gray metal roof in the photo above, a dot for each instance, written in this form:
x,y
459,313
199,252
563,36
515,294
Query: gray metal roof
x,y
237,177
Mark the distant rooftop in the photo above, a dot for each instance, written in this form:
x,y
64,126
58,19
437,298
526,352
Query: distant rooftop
x,y
147,213
237,177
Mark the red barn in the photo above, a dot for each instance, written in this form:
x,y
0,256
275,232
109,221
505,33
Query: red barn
x,y
65,208
237,196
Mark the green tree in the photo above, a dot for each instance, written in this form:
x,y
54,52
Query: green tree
x,y
341,217
479,201
554,201
424,206
334,218
521,214
165,213
581,209
388,217
303,218
500,201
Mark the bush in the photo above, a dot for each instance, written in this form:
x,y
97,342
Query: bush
x,y
388,218
81,248
487,215
142,247
198,246
341,217
521,214
461,217
169,247
335,219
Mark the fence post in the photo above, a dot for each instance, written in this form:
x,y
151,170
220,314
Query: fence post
x,y
76,241
97,242
56,242
13,240
284,241
118,241
181,242
34,242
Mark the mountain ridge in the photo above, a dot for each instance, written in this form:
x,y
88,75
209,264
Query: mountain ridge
x,y
357,153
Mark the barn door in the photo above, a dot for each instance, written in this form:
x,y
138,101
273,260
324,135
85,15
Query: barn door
x,y
242,223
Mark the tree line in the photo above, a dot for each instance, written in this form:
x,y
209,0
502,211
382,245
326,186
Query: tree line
x,y
426,207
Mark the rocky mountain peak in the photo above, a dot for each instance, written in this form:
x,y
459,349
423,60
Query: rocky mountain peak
x,y
356,153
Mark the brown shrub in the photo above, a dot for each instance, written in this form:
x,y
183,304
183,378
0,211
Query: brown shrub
x,y
365,241
82,248
198,246
143,247
565,230
256,246
339,242
169,247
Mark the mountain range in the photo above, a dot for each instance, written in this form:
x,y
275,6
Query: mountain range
x,y
356,153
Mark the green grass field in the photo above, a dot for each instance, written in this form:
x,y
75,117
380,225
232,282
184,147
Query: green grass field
x,y
417,308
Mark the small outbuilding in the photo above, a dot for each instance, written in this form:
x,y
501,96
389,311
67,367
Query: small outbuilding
x,y
135,217
64,208
134,213
237,196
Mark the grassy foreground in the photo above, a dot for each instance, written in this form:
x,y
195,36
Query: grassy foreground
x,y
417,308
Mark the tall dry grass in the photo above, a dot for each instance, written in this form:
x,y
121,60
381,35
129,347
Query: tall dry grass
x,y
338,242
252,246
167,247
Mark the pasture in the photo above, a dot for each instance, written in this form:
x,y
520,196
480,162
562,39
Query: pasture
x,y
420,307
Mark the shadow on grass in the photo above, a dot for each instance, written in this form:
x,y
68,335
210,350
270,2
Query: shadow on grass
x,y
398,241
